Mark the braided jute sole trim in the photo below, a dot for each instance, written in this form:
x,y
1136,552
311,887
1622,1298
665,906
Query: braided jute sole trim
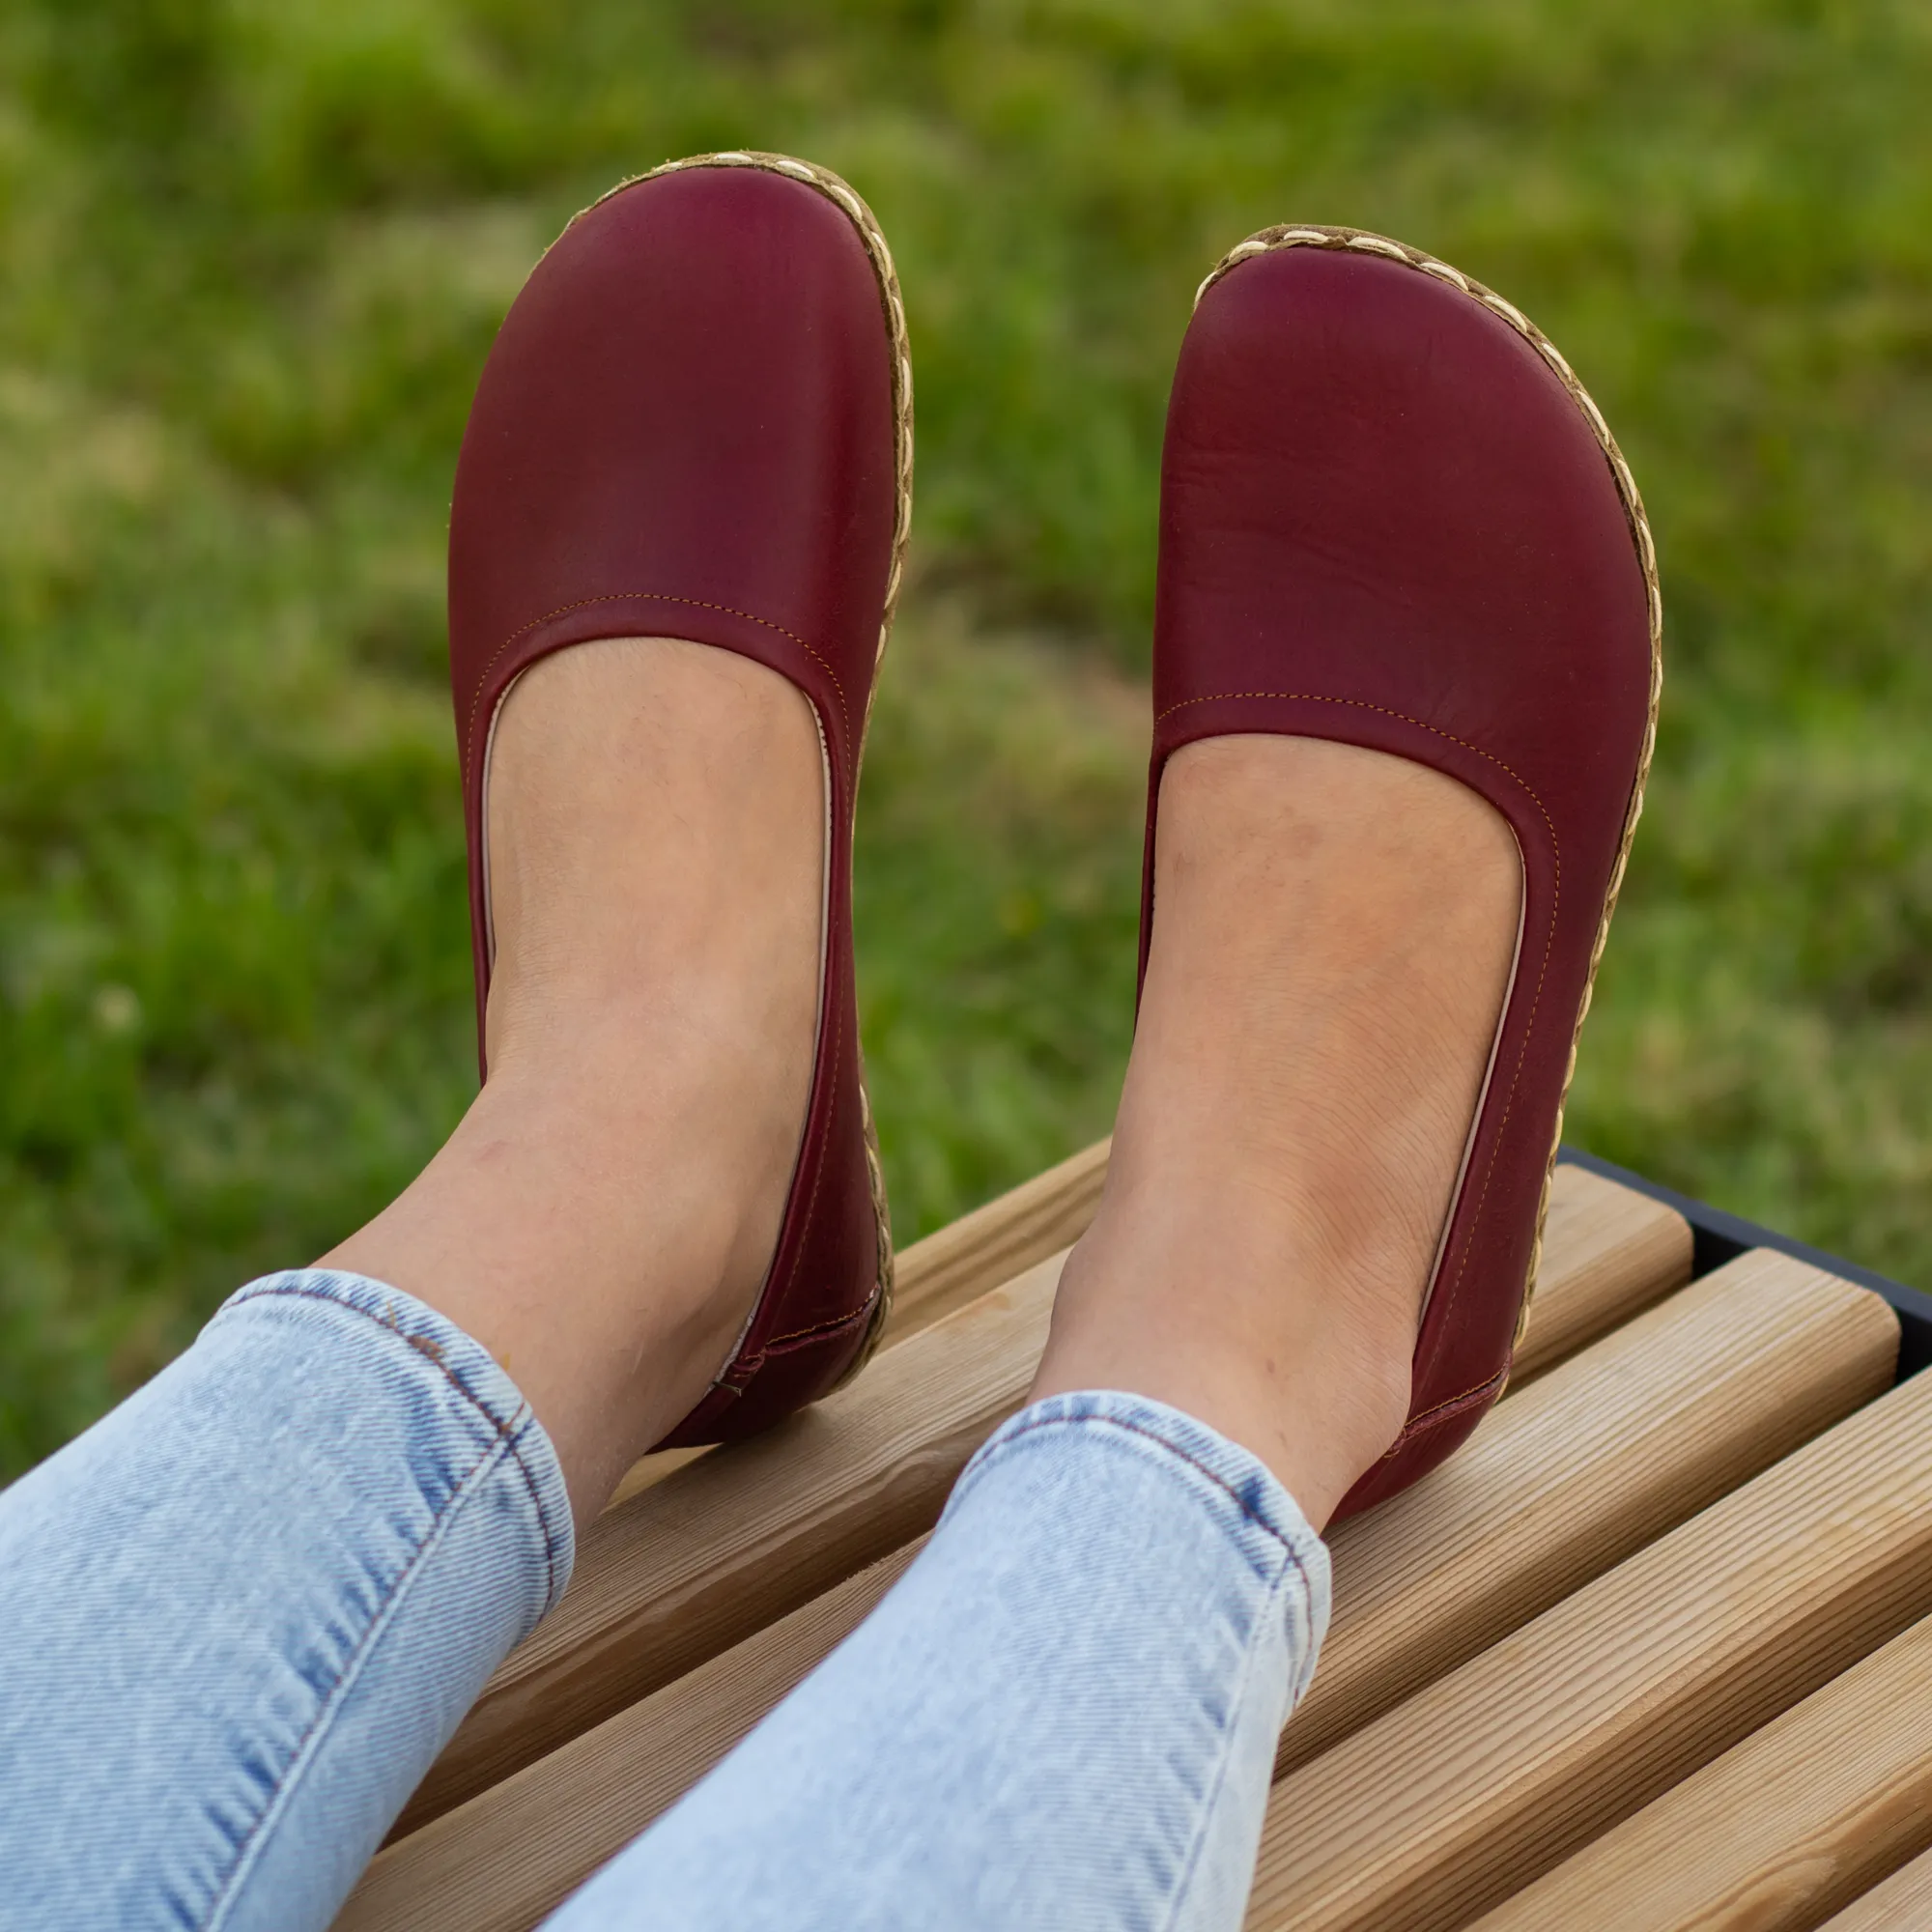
x,y
843,196
1360,241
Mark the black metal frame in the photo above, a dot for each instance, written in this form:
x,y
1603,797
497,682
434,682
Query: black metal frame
x,y
1717,1237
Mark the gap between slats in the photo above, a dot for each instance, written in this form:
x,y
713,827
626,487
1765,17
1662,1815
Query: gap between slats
x,y
1489,1776
1797,1819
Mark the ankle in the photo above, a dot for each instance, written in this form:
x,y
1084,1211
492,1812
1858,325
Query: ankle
x,y
1331,947
1215,1307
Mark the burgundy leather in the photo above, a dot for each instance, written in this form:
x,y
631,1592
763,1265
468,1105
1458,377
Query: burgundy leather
x,y
695,423
1386,520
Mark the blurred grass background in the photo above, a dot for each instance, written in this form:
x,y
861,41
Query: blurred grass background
x,y
251,256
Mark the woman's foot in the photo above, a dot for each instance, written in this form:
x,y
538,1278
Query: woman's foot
x,y
604,1216
1335,935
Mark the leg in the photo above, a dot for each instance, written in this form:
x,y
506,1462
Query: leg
x,y
247,1608
602,1218
1065,1713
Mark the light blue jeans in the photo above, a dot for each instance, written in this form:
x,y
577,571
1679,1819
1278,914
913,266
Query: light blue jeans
x,y
241,1615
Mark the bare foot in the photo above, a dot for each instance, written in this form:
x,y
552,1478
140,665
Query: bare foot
x,y
1333,941
603,1217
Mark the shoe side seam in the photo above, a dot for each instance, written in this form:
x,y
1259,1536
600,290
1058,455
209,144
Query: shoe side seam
x,y
1442,1411
772,1293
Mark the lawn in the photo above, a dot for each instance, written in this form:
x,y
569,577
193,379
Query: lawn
x,y
251,256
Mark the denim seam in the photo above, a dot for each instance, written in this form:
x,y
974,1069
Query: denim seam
x,y
510,1432
1159,1441
309,1743
1270,1606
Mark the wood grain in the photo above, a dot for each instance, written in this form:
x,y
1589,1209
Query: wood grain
x,y
939,1275
1590,1463
1903,1903
1608,1252
693,1564
503,1860
1785,1828
1559,1482
1483,1782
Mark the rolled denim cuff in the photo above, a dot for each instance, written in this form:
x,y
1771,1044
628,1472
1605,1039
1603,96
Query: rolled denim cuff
x,y
1261,1522
446,1398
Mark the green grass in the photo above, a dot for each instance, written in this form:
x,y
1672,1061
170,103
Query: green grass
x,y
251,256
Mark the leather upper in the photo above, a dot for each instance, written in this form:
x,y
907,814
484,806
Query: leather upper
x,y
1385,518
695,423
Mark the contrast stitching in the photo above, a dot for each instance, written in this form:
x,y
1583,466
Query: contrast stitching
x,y
510,1434
1383,711
1273,1607
773,1293
623,597
1174,1449
1429,1417
823,1328
871,237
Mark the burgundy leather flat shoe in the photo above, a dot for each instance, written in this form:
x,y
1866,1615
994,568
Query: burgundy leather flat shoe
x,y
1391,517
697,422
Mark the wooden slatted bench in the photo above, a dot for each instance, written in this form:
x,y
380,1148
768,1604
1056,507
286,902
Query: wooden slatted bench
x,y
1655,1651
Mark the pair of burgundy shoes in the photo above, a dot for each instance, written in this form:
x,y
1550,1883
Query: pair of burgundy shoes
x,y
1389,516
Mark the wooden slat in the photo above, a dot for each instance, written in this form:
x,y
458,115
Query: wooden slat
x,y
695,1563
957,1264
1599,1243
1561,1482
1903,1903
1605,1236
1785,1827
940,1275
501,1862
1483,1782
1570,1476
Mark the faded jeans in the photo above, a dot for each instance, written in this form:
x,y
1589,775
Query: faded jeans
x,y
241,1615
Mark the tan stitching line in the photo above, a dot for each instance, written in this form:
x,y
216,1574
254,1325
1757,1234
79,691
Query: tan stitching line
x,y
327,1709
822,1329
853,207
1320,234
772,1293
1442,1413
623,597
1174,1449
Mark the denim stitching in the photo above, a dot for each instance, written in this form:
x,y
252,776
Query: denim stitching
x,y
330,1705
1274,1591
510,1433
1159,1441
1272,1603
